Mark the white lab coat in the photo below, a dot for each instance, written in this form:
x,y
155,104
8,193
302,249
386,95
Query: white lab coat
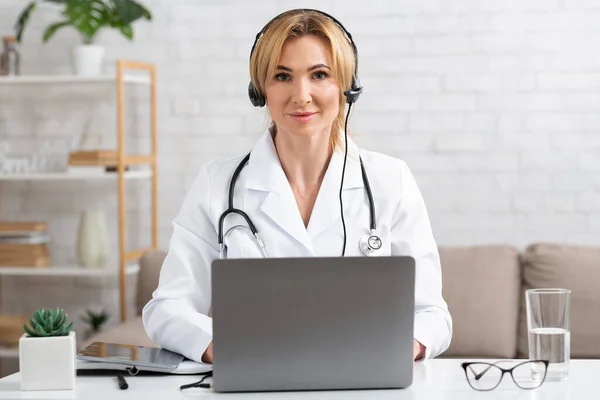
x,y
176,316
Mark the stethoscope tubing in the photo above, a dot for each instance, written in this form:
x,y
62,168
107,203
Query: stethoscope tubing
x,y
252,227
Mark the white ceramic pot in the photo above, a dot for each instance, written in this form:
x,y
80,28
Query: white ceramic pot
x,y
92,239
87,59
47,363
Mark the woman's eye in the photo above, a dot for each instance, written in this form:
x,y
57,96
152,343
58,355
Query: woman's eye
x,y
282,77
320,75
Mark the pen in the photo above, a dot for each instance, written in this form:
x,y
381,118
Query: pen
x,y
122,382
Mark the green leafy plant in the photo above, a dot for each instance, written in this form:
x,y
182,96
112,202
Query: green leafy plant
x,y
88,17
46,322
95,320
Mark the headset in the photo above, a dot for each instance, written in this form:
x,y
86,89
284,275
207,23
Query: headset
x,y
369,243
259,100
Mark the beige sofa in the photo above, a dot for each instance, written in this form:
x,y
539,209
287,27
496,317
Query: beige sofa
x,y
484,287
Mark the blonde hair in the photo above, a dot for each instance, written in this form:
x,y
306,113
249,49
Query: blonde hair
x,y
298,23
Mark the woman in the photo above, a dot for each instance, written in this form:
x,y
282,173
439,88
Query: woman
x,y
301,67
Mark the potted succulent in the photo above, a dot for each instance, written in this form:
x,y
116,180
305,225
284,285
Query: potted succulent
x,y
47,352
88,17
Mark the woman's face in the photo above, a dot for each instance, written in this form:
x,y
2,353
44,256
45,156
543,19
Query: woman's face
x,y
303,95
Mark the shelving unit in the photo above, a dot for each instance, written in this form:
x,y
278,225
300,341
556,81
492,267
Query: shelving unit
x,y
144,167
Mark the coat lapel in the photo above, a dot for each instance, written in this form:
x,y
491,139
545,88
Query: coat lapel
x,y
326,211
266,174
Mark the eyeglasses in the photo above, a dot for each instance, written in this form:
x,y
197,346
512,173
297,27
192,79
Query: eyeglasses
x,y
485,376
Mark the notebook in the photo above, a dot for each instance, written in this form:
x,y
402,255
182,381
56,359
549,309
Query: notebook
x,y
133,358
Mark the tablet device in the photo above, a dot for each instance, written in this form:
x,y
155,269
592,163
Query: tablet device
x,y
139,356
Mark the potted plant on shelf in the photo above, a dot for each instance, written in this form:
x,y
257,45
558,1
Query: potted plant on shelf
x,y
88,17
47,352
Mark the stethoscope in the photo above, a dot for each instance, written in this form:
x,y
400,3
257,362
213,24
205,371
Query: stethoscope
x,y
368,244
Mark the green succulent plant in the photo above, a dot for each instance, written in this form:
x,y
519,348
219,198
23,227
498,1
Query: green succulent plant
x,y
46,322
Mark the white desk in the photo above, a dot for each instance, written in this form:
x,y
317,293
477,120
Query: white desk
x,y
433,380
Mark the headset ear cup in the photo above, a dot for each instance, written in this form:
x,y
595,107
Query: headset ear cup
x,y
256,99
354,92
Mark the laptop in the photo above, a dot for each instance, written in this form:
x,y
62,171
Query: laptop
x,y
283,324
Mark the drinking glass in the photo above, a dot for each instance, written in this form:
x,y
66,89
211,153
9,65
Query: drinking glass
x,y
548,326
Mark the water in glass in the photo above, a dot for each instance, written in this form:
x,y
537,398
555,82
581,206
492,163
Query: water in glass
x,y
554,345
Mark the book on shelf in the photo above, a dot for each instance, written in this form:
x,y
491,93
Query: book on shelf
x,y
24,244
24,255
21,228
93,157
29,238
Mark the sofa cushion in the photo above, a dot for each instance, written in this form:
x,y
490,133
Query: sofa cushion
x,y
571,267
150,265
481,285
129,332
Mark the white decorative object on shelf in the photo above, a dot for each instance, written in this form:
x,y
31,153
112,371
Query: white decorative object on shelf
x,y
87,59
92,239
47,363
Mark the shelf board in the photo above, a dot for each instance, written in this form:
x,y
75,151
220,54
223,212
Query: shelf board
x,y
42,79
70,271
72,175
9,352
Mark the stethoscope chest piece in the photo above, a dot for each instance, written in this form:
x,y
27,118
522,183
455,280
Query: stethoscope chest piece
x,y
369,244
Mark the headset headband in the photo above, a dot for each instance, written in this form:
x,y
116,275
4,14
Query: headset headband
x,y
348,34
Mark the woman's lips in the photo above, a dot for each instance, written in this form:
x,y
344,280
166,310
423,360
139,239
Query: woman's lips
x,y
302,117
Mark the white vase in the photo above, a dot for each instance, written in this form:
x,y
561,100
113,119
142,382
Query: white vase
x,y
92,239
47,363
87,59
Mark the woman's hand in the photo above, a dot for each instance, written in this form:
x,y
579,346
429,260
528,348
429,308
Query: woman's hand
x,y
418,350
207,357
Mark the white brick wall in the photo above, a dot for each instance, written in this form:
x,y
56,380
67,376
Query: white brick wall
x,y
494,105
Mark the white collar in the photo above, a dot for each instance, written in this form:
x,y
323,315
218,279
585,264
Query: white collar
x,y
264,167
